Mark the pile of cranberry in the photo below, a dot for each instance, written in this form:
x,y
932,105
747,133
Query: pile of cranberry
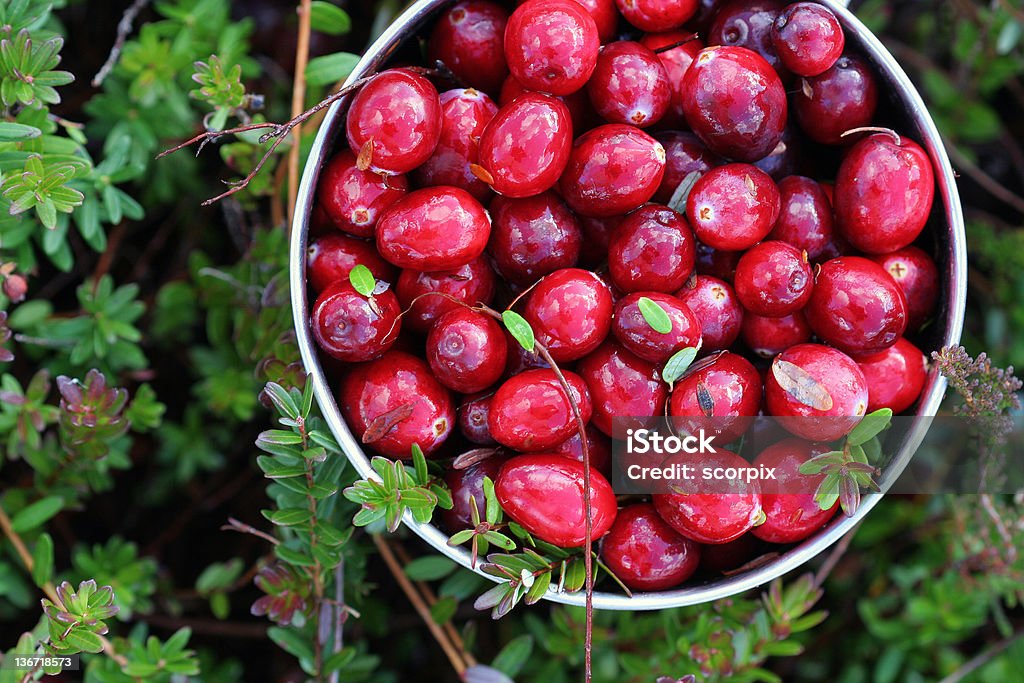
x,y
601,168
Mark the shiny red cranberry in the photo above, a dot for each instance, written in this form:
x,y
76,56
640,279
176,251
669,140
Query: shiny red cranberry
x,y
353,199
531,411
840,99
684,154
597,235
466,350
895,376
621,385
652,250
816,392
748,23
471,284
733,207
715,511
551,45
917,275
629,85
808,38
520,360
676,61
791,513
436,228
805,216
465,114
350,327
856,306
884,192
472,415
570,312
717,263
714,303
532,237
394,402
734,102
768,337
469,38
467,487
721,395
599,448
605,15
578,104
773,279
394,121
612,169
545,494
525,147
331,257
633,331
657,15
646,553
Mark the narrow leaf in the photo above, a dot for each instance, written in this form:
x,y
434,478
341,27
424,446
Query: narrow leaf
x,y
519,328
362,279
677,365
870,427
42,560
36,514
655,315
682,192
800,385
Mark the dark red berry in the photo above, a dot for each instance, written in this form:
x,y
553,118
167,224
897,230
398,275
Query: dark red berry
x,y
748,23
436,228
791,513
597,235
657,15
393,402
351,327
472,284
467,486
629,85
768,337
717,263
531,411
788,155
684,154
773,279
917,275
676,61
545,494
651,250
621,385
570,312
532,237
353,199
551,45
733,207
840,99
599,448
721,395
605,15
472,415
578,104
519,359
645,552
394,122
714,303
805,216
808,38
635,333
469,38
466,350
332,257
895,376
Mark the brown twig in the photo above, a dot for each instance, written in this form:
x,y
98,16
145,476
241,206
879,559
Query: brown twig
x,y
298,102
981,659
243,528
1004,534
124,29
833,558
987,182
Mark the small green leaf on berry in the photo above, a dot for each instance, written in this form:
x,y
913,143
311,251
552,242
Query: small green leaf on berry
x,y
678,364
362,280
519,328
655,315
871,426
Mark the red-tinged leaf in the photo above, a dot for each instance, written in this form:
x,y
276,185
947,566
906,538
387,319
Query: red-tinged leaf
x,y
799,384
705,400
849,495
384,423
365,158
470,458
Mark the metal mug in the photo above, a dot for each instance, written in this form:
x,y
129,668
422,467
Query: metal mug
x,y
946,222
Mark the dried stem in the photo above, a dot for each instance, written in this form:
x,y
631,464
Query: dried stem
x,y
298,101
834,557
124,29
982,659
243,528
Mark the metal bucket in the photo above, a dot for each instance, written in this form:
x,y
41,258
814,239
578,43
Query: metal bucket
x,y
908,114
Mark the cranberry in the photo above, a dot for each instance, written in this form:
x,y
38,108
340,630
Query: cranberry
x,y
675,61
808,38
393,402
469,39
714,303
748,23
805,217
351,327
840,99
599,448
436,228
720,264
629,85
636,334
331,257
768,337
657,15
570,312
519,359
719,515
856,306
466,112
466,350
597,235
652,250
733,207
531,411
791,513
532,237
612,169
684,154
467,487
577,103
787,156
884,192
353,199
895,376
544,493
394,121
773,279
472,415
645,552
473,283
721,395
726,558
526,145
552,45
621,385
701,21
734,102
605,15
917,275
817,392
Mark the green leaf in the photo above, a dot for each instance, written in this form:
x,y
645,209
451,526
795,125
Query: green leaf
x,y
362,280
42,560
288,517
655,315
83,640
429,568
10,131
519,328
328,18
678,364
328,69
514,655
819,463
499,539
443,610
870,427
419,462
292,641
293,556
682,192
340,659
36,514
